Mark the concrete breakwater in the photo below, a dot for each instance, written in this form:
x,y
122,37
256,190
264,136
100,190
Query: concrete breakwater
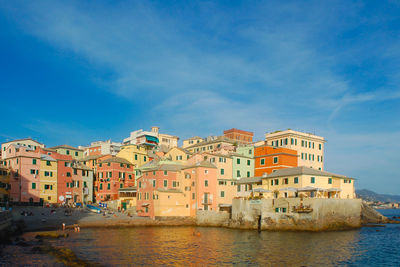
x,y
5,224
297,214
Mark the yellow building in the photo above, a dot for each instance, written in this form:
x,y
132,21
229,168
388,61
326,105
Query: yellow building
x,y
211,145
309,147
178,154
48,179
76,153
135,154
298,182
127,198
192,141
4,183
308,182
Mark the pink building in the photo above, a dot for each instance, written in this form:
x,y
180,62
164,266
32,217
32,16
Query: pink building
x,y
24,163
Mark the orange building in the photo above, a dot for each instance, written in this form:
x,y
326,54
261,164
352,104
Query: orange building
x,y
240,136
268,159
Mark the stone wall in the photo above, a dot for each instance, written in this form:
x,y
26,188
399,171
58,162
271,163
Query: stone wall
x,y
212,218
326,214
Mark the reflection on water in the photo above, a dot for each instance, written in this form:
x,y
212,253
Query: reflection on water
x,y
216,246
219,246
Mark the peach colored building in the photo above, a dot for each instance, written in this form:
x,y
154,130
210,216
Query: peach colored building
x,y
24,165
29,143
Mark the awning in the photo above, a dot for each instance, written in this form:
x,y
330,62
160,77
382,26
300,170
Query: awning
x,y
225,205
145,204
291,189
151,138
310,188
261,190
334,190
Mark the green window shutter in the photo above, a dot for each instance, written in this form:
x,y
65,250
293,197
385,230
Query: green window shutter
x,y
296,180
108,186
248,162
34,161
313,180
238,161
248,174
33,185
222,171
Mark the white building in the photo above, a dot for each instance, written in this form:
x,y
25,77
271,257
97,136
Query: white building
x,y
152,138
102,148
309,147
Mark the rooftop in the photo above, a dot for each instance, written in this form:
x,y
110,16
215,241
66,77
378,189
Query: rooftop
x,y
303,170
66,147
116,160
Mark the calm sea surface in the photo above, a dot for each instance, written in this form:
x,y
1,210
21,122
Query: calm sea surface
x,y
369,246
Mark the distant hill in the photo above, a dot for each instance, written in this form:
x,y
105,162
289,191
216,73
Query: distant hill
x,y
372,196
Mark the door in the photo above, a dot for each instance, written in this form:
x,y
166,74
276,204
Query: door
x,y
124,205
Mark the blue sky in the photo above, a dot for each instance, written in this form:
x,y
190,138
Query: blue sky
x,y
74,71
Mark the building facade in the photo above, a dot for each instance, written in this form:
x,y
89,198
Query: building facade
x,y
268,159
29,143
239,136
310,147
112,174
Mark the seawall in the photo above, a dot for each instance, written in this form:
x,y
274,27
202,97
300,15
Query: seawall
x,y
295,214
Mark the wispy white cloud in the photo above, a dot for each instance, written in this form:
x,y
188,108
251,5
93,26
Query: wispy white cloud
x,y
203,67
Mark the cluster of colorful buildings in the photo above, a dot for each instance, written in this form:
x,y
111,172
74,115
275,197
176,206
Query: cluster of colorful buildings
x,y
150,173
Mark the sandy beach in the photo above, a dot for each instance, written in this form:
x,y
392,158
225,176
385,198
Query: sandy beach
x,y
53,218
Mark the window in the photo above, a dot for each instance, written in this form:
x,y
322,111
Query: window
x,y
349,181
144,158
121,185
275,160
46,173
296,180
34,161
313,180
135,156
46,187
291,141
329,180
320,146
75,171
67,152
101,186
165,173
48,163
276,181
206,183
238,187
238,161
238,173
272,182
222,194
286,180
32,171
174,184
222,171
345,181
108,186
193,195
33,185
140,184
248,174
248,162
206,171
262,161
250,151
165,183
